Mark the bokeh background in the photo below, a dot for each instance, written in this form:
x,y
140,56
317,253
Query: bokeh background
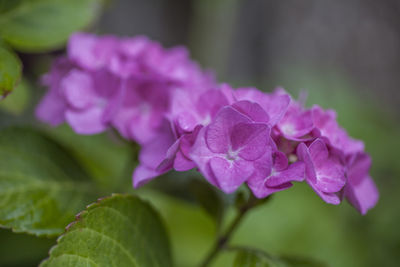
x,y
344,54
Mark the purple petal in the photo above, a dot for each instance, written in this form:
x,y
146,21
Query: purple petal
x,y
88,121
253,110
230,174
330,198
201,155
219,131
51,108
91,52
250,139
142,175
256,182
261,191
78,89
318,151
211,102
297,124
275,104
155,151
182,163
304,156
295,172
280,161
363,196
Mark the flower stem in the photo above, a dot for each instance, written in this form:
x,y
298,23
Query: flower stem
x,y
223,239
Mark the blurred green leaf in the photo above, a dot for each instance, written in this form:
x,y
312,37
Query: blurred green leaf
x,y
249,257
109,161
10,69
291,261
22,250
42,187
40,25
252,258
121,230
208,198
17,101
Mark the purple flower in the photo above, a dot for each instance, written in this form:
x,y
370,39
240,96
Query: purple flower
x,y
52,107
360,189
127,82
274,174
274,104
142,110
297,123
182,119
226,149
152,154
326,123
91,52
323,169
190,109
177,156
86,100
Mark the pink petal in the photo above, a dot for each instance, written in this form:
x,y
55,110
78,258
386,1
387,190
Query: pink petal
x,y
318,151
363,196
51,108
230,175
89,121
219,131
78,89
295,172
330,198
253,110
250,139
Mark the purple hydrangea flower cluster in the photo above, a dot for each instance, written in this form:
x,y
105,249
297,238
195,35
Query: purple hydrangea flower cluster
x,y
183,119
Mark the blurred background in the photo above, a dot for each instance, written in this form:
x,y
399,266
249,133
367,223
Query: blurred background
x,y
345,54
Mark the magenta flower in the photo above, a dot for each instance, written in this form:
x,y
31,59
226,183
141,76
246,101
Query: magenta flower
x,y
142,110
126,83
182,119
91,52
86,100
297,123
52,107
326,123
152,154
177,156
190,109
274,174
360,189
225,150
323,169
274,104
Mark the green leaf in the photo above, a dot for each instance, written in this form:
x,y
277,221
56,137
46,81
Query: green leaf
x,y
300,262
246,257
208,198
23,250
109,161
17,101
249,257
41,186
121,230
40,25
10,70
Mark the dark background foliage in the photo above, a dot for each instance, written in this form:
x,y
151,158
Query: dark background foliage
x,y
345,54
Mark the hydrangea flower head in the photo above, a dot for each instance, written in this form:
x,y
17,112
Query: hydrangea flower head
x,y
126,83
324,171
183,119
226,149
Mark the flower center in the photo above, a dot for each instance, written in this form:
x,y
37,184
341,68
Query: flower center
x,y
232,155
288,129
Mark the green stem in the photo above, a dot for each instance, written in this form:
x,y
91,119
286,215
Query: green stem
x,y
222,241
